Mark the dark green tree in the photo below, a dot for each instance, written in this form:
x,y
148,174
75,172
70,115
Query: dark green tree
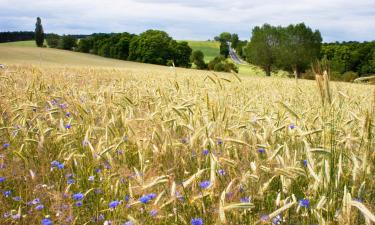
x,y
300,46
264,47
53,40
67,42
152,46
182,53
224,49
85,45
225,36
39,33
198,59
234,40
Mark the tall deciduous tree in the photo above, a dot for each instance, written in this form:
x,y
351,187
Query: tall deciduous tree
x,y
234,39
224,49
300,46
39,33
264,47
198,59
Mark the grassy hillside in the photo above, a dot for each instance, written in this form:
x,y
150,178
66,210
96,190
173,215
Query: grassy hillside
x,y
20,44
211,49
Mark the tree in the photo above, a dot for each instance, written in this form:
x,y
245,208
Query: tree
x,y
67,42
39,33
151,46
85,45
220,64
225,37
264,47
198,59
224,49
182,53
300,46
235,40
53,40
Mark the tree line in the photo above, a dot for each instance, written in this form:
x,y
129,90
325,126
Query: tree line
x,y
16,36
350,60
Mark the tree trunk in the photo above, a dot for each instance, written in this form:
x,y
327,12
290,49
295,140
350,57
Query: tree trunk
x,y
268,70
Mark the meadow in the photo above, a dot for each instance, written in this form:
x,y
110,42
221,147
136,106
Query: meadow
x,y
114,142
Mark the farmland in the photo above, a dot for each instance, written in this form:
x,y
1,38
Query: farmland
x,y
86,139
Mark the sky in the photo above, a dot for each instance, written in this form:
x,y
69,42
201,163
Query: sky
x,y
337,20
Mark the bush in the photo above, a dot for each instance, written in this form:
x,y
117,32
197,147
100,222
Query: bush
x,y
53,40
220,64
67,42
349,76
198,59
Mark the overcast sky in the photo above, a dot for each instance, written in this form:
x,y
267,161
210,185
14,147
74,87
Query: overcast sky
x,y
338,20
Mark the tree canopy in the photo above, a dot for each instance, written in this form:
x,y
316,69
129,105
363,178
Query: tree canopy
x,y
39,33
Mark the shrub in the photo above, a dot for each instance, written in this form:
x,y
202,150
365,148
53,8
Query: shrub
x,y
349,76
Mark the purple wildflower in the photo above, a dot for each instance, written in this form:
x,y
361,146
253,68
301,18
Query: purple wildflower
x,y
261,150
46,221
221,172
144,199
304,203
68,126
6,145
206,152
2,179
78,196
70,181
204,184
114,204
79,203
128,223
91,178
196,221
292,126
219,141
39,207
245,200
153,212
7,193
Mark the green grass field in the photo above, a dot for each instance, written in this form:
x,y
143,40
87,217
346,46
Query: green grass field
x,y
19,44
86,139
210,49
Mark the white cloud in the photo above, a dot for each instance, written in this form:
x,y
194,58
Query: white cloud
x,y
192,19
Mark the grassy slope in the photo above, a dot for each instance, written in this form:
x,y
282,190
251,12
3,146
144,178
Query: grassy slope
x,y
210,49
19,44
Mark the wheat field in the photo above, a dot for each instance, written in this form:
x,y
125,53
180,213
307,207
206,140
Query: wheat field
x,y
91,145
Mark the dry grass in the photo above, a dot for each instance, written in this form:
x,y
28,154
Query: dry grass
x,y
267,140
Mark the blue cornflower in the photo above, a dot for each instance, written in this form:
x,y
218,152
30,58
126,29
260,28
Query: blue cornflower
x,y
91,178
60,166
221,172
17,198
78,196
55,163
204,184
46,221
98,170
245,200
196,221
128,223
127,198
70,181
68,126
153,212
304,203
114,204
2,179
152,195
67,114
292,126
101,217
277,220
261,150
219,141
39,207
144,199
35,201
79,203
6,145
305,162
205,152
7,193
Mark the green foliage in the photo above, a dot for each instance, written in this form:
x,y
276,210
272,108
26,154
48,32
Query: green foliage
x,y
85,45
225,36
349,76
224,49
67,42
198,59
39,33
291,48
234,40
151,46
351,56
181,53
53,40
220,64
300,46
264,47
